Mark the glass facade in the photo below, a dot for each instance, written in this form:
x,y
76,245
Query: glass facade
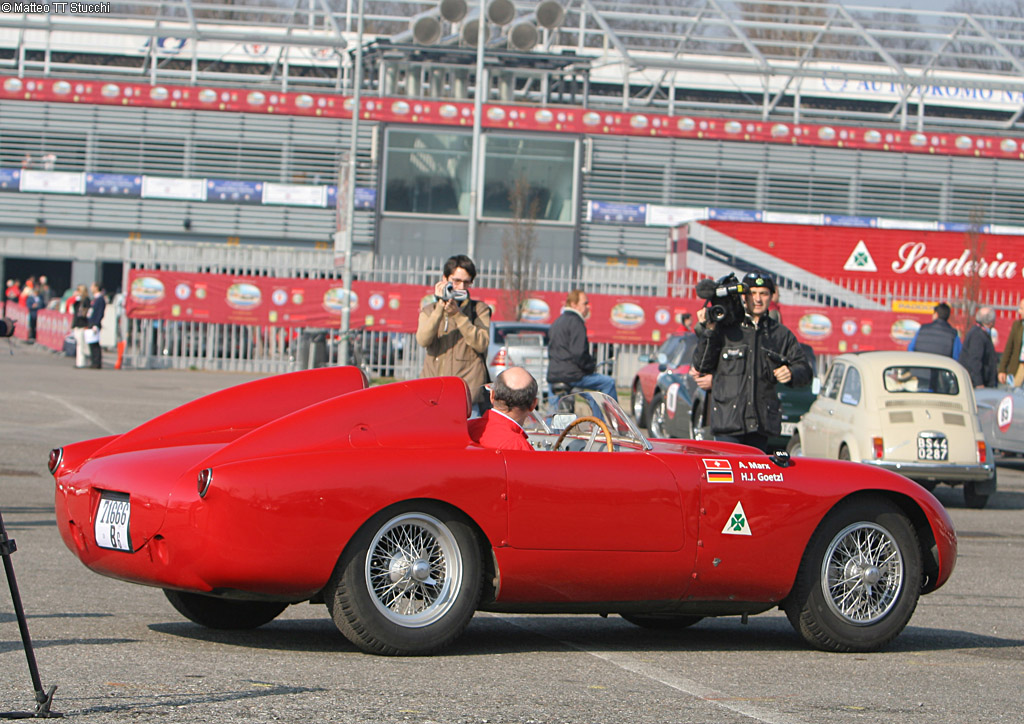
x,y
427,172
546,169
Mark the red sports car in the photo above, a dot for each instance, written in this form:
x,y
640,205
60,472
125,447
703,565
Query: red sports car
x,y
312,487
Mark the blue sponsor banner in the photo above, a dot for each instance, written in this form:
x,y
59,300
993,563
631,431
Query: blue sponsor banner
x,y
365,200
113,184
862,222
10,179
618,213
962,227
735,215
232,191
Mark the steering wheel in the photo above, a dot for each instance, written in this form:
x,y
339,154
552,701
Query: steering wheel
x,y
577,421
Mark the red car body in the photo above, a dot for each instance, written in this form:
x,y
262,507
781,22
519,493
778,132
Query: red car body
x,y
301,470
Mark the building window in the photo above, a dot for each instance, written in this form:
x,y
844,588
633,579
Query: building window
x,y
546,165
427,172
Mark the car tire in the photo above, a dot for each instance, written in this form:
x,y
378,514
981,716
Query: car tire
x,y
661,622
974,499
389,598
794,446
223,613
637,404
859,580
697,429
658,416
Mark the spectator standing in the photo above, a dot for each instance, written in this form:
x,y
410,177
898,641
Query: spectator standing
x,y
97,307
569,358
33,303
456,331
45,293
1010,368
978,354
12,291
731,362
79,305
938,335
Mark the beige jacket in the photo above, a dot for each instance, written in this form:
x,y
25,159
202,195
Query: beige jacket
x,y
455,345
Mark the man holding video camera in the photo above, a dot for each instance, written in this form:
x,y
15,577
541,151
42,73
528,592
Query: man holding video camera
x,y
455,330
742,353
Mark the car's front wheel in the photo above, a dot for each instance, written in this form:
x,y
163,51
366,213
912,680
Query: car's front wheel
x,y
409,581
223,613
659,417
859,579
638,405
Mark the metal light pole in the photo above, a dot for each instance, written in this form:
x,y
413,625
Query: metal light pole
x,y
350,194
478,102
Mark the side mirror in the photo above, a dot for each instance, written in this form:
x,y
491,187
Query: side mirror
x,y
662,362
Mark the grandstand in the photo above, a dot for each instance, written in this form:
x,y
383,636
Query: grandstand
x,y
228,123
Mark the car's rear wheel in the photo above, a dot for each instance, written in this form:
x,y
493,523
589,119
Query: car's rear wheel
x,y
974,499
659,416
794,447
859,579
638,405
408,582
661,622
223,613
844,452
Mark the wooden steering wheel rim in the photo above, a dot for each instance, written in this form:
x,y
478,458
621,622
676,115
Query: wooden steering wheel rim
x,y
577,421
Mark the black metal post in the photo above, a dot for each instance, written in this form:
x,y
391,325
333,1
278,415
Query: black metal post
x,y
44,699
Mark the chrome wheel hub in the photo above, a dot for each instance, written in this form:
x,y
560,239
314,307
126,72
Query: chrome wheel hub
x,y
413,570
862,573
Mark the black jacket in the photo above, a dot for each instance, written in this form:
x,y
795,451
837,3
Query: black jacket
x,y
937,337
743,395
978,355
569,358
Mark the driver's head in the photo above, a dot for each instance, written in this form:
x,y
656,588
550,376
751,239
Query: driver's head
x,y
514,392
760,288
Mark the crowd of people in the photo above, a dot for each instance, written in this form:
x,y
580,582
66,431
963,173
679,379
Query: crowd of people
x,y
86,305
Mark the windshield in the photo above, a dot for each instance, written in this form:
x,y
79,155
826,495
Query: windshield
x,y
933,380
589,404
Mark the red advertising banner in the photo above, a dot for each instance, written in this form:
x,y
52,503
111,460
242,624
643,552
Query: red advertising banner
x,y
506,116
848,255
621,319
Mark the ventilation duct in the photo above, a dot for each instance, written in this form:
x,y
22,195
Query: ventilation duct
x,y
550,14
523,35
453,10
426,28
501,12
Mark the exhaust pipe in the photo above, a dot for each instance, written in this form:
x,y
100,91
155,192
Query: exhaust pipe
x,y
426,28
523,35
501,12
453,10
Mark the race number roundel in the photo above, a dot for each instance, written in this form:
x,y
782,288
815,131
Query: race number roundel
x,y
1004,413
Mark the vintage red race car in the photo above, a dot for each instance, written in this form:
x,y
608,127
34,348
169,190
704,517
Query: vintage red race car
x,y
311,486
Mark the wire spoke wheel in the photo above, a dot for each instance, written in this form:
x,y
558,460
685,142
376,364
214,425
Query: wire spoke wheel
x,y
413,570
862,573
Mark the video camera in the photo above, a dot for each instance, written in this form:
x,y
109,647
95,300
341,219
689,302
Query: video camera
x,y
450,292
724,299
6,327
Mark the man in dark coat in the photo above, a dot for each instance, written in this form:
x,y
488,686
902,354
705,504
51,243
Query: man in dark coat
x,y
739,364
569,358
978,354
97,307
938,336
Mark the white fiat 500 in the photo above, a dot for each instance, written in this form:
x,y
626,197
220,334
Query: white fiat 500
x,y
910,412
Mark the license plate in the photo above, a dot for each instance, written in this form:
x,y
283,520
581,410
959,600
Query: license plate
x,y
788,428
932,448
112,518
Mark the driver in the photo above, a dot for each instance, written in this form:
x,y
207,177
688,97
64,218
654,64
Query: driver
x,y
513,397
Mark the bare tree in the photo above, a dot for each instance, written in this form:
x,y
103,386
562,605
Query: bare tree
x,y
970,295
518,241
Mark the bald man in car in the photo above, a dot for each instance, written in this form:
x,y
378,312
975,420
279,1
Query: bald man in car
x,y
513,397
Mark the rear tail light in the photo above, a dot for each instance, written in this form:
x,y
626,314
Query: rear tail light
x,y
499,358
878,446
203,481
56,455
982,451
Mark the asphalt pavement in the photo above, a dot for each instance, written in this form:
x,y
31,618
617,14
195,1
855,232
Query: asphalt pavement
x,y
119,652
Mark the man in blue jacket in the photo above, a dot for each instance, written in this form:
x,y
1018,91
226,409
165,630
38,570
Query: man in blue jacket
x,y
938,336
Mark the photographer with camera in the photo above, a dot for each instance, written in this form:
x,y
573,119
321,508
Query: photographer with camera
x,y
741,354
455,330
